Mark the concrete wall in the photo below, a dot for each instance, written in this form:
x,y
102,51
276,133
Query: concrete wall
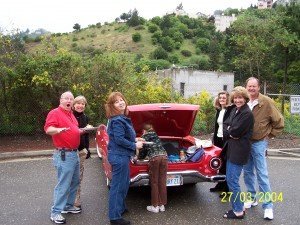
x,y
196,81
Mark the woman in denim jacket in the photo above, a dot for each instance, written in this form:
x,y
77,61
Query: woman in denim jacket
x,y
122,145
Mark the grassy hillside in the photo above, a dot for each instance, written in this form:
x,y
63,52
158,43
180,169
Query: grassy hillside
x,y
107,38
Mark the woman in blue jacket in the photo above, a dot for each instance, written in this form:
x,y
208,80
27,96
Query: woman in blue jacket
x,y
122,145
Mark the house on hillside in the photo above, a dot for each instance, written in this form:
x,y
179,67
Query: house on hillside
x,y
189,82
222,22
264,4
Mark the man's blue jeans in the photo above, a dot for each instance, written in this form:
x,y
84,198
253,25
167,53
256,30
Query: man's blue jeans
x,y
119,185
258,162
233,173
68,181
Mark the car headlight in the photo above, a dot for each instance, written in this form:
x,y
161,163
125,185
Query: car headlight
x,y
215,163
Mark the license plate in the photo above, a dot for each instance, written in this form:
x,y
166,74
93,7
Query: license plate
x,y
174,180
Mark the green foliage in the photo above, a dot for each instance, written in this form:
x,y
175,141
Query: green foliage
x,y
156,20
139,27
155,64
77,27
167,43
186,53
203,44
136,37
152,28
174,58
156,37
204,123
159,53
134,19
202,61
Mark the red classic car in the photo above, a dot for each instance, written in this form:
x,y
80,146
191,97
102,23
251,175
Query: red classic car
x,y
173,124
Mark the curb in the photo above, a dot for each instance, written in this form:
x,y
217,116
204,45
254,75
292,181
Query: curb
x,y
285,152
32,154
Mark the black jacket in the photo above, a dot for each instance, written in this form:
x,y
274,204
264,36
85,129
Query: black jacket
x,y
237,132
83,120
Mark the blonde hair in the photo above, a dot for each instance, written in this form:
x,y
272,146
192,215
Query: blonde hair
x,y
217,104
239,91
110,108
78,99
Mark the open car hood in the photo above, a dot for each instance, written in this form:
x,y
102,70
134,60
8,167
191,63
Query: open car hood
x,y
168,119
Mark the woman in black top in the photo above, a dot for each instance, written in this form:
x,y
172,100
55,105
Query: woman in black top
x,y
79,105
237,132
223,108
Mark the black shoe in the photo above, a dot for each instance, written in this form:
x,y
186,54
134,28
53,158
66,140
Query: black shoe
x,y
120,222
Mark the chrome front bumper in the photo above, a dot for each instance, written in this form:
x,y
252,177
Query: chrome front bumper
x,y
188,176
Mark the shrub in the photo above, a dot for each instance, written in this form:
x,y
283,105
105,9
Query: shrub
x,y
153,64
204,123
75,39
152,28
174,58
202,61
186,53
139,27
38,39
167,43
136,37
159,53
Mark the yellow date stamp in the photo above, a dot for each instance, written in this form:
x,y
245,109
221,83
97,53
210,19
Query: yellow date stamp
x,y
247,196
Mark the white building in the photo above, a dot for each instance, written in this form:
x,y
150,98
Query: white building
x,y
189,82
264,4
223,22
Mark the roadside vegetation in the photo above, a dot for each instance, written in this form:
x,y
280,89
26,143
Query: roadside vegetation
x,y
123,55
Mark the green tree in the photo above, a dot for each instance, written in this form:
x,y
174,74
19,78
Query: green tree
x,y
77,27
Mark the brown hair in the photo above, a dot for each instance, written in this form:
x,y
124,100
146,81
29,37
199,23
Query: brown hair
x,y
147,127
240,91
217,104
110,109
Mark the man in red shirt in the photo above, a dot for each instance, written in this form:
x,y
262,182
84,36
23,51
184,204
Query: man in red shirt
x,y
62,125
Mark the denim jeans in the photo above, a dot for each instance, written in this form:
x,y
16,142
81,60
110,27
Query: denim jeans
x,y
233,173
258,161
68,181
119,185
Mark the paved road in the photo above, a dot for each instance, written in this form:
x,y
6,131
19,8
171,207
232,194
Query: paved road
x,y
27,185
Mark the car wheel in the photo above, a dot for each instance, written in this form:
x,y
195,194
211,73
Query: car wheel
x,y
98,151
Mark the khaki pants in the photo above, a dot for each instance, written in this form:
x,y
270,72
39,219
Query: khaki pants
x,y
158,180
82,155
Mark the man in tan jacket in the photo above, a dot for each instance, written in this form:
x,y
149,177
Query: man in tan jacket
x,y
268,123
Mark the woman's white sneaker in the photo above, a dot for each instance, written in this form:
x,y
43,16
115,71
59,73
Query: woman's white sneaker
x,y
151,208
249,204
268,214
162,208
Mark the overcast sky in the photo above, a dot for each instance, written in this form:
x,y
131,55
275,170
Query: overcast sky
x,y
61,15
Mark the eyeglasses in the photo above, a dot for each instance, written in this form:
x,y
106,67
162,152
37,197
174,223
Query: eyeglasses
x,y
68,99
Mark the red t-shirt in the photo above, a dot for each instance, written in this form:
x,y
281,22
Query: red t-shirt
x,y
59,118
